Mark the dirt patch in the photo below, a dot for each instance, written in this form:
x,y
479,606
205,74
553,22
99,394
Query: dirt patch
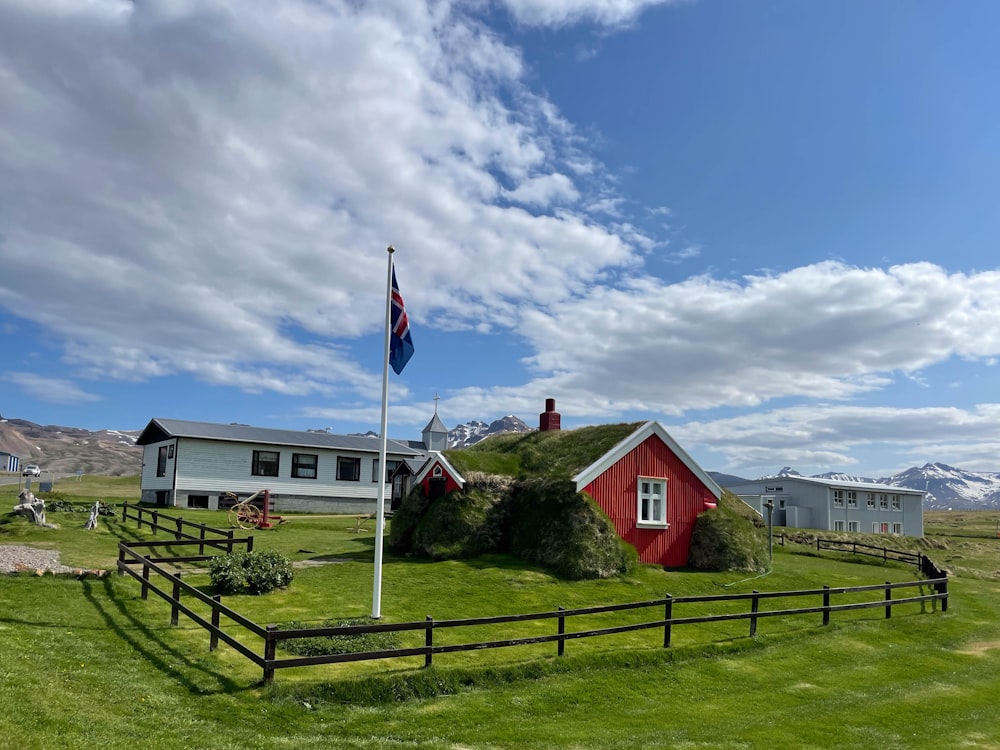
x,y
979,649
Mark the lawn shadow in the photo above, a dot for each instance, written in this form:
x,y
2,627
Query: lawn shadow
x,y
166,655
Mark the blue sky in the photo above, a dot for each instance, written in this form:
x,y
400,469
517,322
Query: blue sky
x,y
770,225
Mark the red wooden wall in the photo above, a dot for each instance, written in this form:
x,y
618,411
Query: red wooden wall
x,y
615,492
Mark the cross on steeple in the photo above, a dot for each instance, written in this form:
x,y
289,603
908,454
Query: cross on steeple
x,y
436,399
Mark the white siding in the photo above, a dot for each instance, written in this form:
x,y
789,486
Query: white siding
x,y
150,454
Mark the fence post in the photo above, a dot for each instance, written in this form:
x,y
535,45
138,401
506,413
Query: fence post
x,y
888,598
145,582
174,609
668,613
213,642
269,646
429,641
201,539
943,589
249,544
180,523
156,521
124,510
229,544
826,605
562,631
121,559
754,605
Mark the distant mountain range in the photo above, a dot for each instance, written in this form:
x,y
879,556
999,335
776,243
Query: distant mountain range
x,y
475,431
68,450
947,487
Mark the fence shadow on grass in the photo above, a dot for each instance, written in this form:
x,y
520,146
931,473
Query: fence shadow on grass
x,y
150,644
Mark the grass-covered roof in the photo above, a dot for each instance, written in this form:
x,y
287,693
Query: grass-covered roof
x,y
557,453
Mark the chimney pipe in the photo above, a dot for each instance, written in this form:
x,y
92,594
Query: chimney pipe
x,y
549,419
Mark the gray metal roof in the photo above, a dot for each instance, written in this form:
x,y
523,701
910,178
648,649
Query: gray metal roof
x,y
160,429
435,425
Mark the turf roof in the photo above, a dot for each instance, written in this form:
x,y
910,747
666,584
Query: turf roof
x,y
562,453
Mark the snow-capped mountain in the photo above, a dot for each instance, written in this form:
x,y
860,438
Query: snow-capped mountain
x,y
472,432
946,486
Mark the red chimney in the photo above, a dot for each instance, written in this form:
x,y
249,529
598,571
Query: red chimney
x,y
549,419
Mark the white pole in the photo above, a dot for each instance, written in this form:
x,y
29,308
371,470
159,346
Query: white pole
x,y
380,510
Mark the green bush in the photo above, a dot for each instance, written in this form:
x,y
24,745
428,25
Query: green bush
x,y
250,572
338,644
726,539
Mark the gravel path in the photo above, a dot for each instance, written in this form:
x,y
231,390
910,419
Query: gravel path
x,y
14,557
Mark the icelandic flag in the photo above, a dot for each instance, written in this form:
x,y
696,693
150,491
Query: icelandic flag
x,y
400,342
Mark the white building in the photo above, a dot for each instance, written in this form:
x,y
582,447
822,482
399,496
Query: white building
x,y
813,503
191,464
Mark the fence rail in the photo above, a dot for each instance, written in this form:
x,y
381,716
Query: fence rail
x,y
157,521
135,554
870,550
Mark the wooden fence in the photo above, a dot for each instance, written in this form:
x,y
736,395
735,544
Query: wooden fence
x,y
131,557
179,528
870,550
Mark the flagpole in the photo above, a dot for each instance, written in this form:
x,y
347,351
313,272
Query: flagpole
x,y
380,510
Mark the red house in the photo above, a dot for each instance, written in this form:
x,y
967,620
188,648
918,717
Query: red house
x,y
653,491
437,477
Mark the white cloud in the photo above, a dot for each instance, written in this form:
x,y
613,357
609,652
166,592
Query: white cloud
x,y
565,12
825,331
829,437
220,182
49,390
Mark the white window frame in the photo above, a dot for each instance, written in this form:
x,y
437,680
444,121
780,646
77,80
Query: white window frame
x,y
852,502
853,526
838,498
897,529
871,501
897,502
646,493
838,525
883,501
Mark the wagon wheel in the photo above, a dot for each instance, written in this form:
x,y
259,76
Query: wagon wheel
x,y
248,516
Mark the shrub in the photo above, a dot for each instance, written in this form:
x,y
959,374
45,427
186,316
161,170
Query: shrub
x,y
250,572
725,539
338,644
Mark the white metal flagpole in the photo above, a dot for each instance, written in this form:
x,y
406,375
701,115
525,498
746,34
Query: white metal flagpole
x,y
380,509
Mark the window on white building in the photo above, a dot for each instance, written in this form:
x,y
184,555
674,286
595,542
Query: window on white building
x,y
871,501
265,464
897,528
896,503
852,499
852,526
838,525
304,465
838,498
652,500
348,469
883,502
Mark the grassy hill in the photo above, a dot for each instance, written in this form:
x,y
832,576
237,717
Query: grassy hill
x,y
89,664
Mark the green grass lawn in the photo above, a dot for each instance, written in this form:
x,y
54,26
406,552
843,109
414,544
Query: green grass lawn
x,y
88,664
